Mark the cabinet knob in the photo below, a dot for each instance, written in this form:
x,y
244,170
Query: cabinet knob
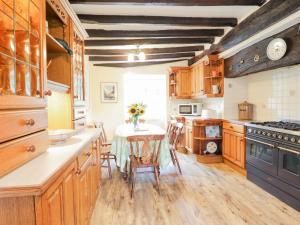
x,y
31,148
30,122
48,92
88,154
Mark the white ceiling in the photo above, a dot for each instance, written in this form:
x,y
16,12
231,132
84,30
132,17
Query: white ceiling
x,y
239,12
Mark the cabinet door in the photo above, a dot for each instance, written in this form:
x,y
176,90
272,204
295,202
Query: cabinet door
x,y
21,70
199,80
82,206
189,138
234,147
193,81
184,85
95,177
68,199
53,208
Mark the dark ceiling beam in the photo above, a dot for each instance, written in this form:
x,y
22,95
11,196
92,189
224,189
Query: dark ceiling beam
x,y
147,51
148,57
155,33
160,20
172,2
135,64
266,16
114,42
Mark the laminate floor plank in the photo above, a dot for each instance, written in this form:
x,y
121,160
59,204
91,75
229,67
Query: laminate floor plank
x,y
204,195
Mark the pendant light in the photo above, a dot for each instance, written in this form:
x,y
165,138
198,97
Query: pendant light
x,y
139,54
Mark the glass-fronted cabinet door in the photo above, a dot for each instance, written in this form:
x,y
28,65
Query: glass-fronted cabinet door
x,y
21,32
78,74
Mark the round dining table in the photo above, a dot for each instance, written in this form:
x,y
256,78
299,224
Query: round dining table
x,y
121,147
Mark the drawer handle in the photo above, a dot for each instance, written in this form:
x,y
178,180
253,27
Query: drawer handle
x,y
30,122
81,124
81,112
48,92
31,148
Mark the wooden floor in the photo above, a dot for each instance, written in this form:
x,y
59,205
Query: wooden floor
x,y
204,194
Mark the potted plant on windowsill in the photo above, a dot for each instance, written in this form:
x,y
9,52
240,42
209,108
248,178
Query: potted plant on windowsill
x,y
136,111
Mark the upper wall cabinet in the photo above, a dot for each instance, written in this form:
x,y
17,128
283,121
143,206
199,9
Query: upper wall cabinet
x,y
180,82
203,79
78,69
21,58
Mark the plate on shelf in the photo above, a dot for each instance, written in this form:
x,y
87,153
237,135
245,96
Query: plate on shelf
x,y
211,147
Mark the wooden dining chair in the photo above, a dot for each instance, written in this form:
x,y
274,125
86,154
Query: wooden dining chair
x,y
170,128
173,141
105,149
144,153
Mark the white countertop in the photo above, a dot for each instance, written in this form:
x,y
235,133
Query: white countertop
x,y
36,172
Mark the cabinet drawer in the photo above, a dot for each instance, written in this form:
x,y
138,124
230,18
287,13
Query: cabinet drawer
x,y
79,124
79,112
84,156
15,153
234,127
19,123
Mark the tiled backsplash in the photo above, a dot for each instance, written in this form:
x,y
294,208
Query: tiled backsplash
x,y
275,94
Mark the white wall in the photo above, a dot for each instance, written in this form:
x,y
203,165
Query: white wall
x,y
275,94
112,114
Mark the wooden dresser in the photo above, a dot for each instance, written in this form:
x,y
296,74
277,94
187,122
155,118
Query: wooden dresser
x,y
23,115
57,188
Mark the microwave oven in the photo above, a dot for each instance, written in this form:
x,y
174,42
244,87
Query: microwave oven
x,y
190,109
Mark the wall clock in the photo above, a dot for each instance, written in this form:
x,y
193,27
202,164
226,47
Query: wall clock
x,y
276,49
211,147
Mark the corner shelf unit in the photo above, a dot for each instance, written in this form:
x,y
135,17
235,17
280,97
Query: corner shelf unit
x,y
201,140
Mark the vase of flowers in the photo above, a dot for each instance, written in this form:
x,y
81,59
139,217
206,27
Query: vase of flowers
x,y
136,111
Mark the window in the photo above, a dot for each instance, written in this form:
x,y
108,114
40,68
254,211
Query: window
x,y
150,90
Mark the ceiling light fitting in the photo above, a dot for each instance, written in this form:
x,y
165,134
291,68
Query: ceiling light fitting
x,y
139,54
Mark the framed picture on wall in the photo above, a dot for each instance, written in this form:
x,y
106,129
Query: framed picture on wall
x,y
109,92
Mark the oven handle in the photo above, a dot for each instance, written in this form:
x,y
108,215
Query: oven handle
x,y
264,143
289,150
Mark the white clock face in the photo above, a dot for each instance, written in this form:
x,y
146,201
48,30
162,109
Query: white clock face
x,y
276,49
211,147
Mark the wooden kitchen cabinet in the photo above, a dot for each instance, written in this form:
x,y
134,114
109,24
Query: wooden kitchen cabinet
x,y
180,82
197,81
67,198
189,138
21,54
234,147
58,201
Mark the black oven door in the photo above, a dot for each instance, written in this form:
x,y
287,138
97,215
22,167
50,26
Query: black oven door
x,y
289,165
262,155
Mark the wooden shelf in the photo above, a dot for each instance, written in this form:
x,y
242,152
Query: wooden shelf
x,y
53,46
208,138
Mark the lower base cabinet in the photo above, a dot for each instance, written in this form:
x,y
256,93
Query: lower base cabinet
x,y
234,147
68,200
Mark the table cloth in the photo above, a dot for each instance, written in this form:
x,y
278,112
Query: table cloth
x,y
121,148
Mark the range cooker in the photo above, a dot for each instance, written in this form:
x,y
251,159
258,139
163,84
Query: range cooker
x,y
273,159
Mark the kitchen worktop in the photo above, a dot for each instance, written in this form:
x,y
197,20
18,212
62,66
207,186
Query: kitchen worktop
x,y
39,170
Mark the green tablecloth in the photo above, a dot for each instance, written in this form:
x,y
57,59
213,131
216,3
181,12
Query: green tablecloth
x,y
121,147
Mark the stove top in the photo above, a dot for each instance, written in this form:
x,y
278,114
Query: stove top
x,y
292,126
